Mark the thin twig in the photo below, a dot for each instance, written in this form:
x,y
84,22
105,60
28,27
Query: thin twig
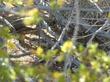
x,y
77,21
8,23
63,32
20,47
92,1
104,25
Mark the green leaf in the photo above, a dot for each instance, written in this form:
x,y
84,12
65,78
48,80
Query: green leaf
x,y
3,53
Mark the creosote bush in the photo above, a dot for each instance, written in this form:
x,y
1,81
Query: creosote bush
x,y
94,66
94,63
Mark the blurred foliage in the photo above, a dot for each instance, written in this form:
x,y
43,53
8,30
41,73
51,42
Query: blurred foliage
x,y
95,67
33,17
95,63
56,4
5,33
67,46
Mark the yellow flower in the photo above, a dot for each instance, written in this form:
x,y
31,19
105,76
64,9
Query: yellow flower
x,y
67,46
33,12
32,18
60,2
29,21
95,65
39,52
40,80
10,44
57,75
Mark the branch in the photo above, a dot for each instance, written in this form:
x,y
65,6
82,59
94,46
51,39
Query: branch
x,y
60,39
96,32
8,23
77,21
